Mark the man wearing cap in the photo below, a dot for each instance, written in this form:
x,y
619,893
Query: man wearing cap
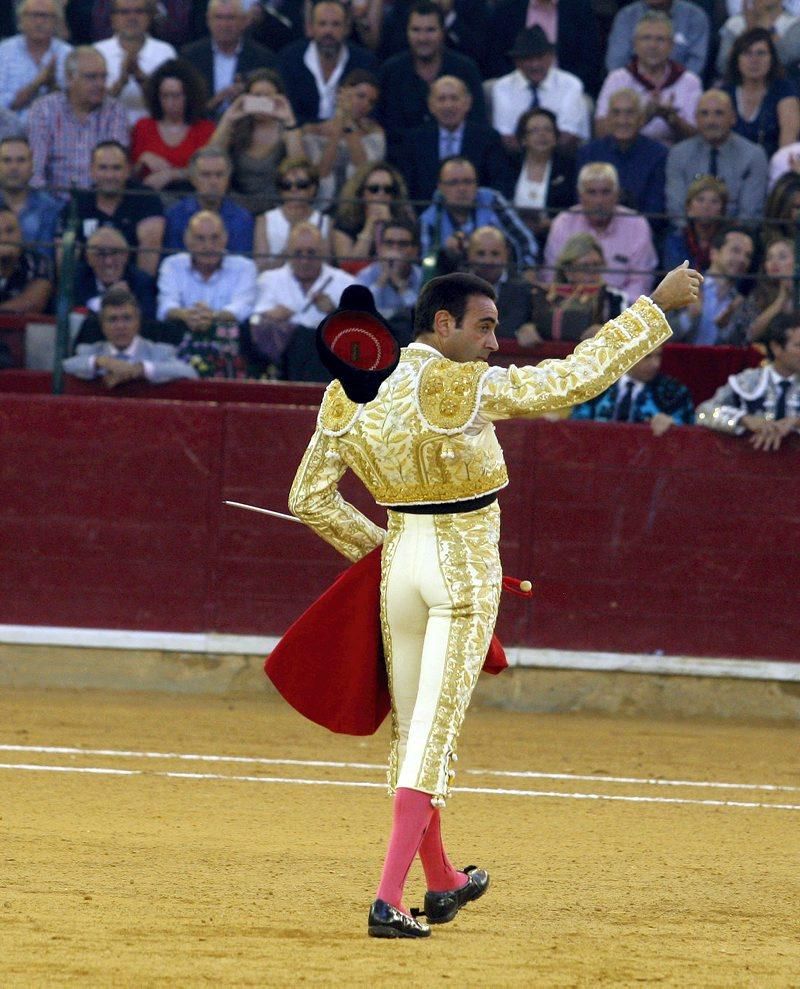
x,y
535,82
424,445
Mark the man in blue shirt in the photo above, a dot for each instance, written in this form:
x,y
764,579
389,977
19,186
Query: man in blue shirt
x,y
459,207
210,173
394,279
640,161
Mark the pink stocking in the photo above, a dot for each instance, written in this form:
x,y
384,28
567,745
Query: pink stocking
x,y
439,872
412,813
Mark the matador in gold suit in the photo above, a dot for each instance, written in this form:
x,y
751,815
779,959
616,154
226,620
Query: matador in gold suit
x,y
425,448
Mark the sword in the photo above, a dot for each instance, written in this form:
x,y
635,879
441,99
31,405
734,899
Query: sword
x,y
264,511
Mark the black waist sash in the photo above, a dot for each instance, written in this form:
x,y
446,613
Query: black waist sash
x,y
448,507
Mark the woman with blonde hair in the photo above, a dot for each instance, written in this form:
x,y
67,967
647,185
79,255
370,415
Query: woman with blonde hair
x,y
706,202
376,193
578,301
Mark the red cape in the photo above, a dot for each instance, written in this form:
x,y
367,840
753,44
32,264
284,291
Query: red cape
x,y
330,666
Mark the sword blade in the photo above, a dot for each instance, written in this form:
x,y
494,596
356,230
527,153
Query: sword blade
x,y
263,511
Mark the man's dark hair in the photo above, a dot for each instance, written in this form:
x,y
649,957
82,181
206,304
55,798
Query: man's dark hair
x,y
525,119
719,238
194,85
426,8
451,293
779,329
15,139
101,145
118,296
401,223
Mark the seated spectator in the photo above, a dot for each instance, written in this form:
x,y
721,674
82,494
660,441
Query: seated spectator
x,y
773,294
546,182
716,150
204,284
258,131
769,15
668,89
709,320
37,211
107,264
228,56
465,27
124,355
116,201
450,133
783,207
706,199
210,174
578,301
394,279
640,161
298,184
64,128
767,107
571,25
312,67
412,72
131,54
32,62
292,301
623,235
643,394
690,42
763,402
374,195
25,277
350,138
784,161
460,206
163,142
537,82
488,257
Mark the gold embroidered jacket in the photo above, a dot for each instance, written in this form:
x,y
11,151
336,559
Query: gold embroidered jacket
x,y
428,437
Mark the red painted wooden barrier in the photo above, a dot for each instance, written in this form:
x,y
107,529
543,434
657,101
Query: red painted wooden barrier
x,y
111,516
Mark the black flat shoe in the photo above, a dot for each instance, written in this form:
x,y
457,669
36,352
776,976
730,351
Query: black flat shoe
x,y
387,921
441,908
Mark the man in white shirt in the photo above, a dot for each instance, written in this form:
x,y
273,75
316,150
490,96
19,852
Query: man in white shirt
x,y
537,82
292,301
204,286
131,54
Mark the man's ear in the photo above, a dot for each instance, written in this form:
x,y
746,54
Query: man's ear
x,y
443,323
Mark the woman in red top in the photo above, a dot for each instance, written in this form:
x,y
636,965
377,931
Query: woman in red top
x,y
163,143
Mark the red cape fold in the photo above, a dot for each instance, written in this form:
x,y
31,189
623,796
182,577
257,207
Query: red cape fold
x,y
330,666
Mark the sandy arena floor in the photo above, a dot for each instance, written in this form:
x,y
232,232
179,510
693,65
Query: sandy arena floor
x,y
129,864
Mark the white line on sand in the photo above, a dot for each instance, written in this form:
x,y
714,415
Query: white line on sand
x,y
319,763
490,791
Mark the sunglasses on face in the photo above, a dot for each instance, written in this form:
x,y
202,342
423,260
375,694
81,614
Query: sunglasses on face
x,y
376,187
285,184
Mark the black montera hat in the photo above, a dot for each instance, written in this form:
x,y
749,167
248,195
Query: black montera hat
x,y
357,346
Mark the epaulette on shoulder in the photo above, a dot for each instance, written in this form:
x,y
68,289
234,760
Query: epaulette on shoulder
x,y
337,412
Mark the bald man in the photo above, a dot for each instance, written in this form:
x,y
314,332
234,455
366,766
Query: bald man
x,y
204,285
488,257
717,150
451,132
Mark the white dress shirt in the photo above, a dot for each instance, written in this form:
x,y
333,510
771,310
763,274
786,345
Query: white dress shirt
x,y
279,287
325,87
560,92
231,287
152,54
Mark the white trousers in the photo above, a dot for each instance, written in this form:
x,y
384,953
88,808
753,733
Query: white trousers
x,y
440,590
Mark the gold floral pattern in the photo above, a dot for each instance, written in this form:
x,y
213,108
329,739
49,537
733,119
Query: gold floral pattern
x,y
448,393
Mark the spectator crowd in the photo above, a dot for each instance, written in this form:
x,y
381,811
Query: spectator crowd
x,y
228,167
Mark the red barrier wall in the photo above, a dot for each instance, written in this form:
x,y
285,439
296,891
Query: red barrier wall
x,y
111,516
